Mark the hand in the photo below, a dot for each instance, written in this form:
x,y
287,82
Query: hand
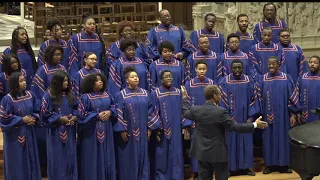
x,y
107,114
179,55
184,92
293,120
64,119
149,134
261,124
73,118
159,136
124,136
299,119
29,120
249,120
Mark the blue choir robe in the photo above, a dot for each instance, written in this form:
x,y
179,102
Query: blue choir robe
x,y
174,34
117,80
176,67
19,140
227,58
142,52
295,62
61,139
259,55
24,57
97,154
62,43
216,40
241,102
81,43
166,156
308,87
279,98
136,113
195,88
246,41
4,82
39,86
214,68
276,27
42,79
79,77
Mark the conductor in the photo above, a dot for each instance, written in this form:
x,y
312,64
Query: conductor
x,y
209,144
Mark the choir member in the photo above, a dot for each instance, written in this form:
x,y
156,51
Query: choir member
x,y
269,20
205,54
125,31
97,155
239,98
195,89
260,53
295,62
216,39
233,53
168,32
246,39
117,80
308,87
55,28
166,145
52,56
89,63
167,61
21,47
137,116
10,64
85,41
280,104
18,115
59,114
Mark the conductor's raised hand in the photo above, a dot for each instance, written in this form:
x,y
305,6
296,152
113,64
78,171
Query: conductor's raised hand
x,y
261,124
184,92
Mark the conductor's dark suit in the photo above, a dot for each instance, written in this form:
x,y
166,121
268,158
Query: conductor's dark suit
x,y
209,144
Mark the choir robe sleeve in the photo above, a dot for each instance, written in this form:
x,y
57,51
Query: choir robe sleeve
x,y
41,54
151,54
153,114
74,66
184,121
76,86
293,94
7,119
47,114
114,51
282,59
224,98
144,52
193,41
255,62
303,64
188,68
184,75
222,46
115,78
86,116
38,86
153,75
257,33
121,123
185,46
254,103
151,41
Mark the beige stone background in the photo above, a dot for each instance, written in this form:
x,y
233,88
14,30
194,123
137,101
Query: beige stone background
x,y
303,19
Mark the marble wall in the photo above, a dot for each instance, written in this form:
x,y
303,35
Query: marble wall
x,y
303,19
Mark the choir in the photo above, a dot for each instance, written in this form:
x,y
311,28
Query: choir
x,y
89,113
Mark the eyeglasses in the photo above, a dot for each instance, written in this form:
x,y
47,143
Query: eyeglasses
x,y
57,54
